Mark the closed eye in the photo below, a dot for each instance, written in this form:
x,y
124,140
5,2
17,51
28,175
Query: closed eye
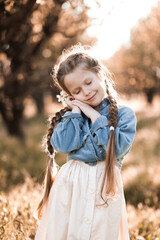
x,y
77,92
88,82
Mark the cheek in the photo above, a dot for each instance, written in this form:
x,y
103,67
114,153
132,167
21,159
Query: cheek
x,y
76,97
79,98
102,87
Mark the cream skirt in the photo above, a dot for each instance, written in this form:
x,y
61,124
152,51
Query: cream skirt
x,y
71,212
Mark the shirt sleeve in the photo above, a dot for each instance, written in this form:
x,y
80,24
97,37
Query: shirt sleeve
x,y
67,135
100,131
124,132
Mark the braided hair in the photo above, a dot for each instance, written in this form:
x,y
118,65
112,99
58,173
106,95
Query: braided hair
x,y
66,63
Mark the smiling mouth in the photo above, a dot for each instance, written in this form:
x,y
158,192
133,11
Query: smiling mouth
x,y
92,97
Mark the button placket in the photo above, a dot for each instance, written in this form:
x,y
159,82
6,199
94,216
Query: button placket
x,y
90,203
88,220
92,190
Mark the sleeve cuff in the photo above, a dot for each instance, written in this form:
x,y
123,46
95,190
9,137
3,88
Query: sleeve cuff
x,y
100,122
69,114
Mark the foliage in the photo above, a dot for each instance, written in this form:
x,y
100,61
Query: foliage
x,y
137,66
32,35
18,157
16,211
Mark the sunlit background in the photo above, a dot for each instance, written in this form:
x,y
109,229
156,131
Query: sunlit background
x,y
125,35
114,21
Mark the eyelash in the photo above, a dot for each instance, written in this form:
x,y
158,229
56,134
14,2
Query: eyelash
x,y
87,84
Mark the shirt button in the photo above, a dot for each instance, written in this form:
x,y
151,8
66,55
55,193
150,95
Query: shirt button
x,y
88,221
91,190
101,151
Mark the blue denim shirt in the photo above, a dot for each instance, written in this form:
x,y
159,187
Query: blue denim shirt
x,y
87,142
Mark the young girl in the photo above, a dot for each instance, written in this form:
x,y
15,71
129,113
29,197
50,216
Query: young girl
x,y
84,200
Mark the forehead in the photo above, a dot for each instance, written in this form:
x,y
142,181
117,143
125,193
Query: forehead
x,y
77,77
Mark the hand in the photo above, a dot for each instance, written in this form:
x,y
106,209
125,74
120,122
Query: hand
x,y
87,110
69,102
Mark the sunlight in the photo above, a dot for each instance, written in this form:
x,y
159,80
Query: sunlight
x,y
113,22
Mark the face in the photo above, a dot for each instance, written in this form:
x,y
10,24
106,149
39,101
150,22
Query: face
x,y
86,86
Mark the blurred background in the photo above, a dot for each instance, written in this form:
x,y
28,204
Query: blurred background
x,y
125,34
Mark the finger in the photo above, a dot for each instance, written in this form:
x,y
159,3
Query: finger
x,y
75,101
77,105
78,102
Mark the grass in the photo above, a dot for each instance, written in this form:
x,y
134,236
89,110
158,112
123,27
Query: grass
x,y
23,166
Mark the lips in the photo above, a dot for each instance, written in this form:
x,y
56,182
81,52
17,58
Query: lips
x,y
92,97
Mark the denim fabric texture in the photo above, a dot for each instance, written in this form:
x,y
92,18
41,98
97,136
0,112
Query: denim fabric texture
x,y
84,141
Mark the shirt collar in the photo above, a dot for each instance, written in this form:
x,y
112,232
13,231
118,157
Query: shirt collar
x,y
105,102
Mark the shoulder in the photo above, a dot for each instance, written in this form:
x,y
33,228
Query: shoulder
x,y
125,112
122,109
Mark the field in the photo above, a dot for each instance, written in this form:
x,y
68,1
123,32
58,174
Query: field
x,y
23,166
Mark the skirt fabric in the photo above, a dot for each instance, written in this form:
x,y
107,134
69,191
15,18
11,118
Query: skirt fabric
x,y
71,212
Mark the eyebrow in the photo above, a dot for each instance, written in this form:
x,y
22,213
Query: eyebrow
x,y
86,79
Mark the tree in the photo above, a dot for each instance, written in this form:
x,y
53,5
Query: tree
x,y
137,67
32,34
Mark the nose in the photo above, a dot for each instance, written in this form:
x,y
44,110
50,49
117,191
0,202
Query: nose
x,y
86,90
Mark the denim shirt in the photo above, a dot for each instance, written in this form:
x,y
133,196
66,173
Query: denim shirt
x,y
87,142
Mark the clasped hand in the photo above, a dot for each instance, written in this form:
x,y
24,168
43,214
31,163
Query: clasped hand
x,y
78,106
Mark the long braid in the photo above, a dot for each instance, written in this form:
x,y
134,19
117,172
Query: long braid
x,y
49,178
110,155
113,121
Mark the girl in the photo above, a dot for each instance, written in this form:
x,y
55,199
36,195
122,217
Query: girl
x,y
85,198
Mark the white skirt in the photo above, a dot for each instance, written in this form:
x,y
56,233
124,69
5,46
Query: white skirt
x,y
71,212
